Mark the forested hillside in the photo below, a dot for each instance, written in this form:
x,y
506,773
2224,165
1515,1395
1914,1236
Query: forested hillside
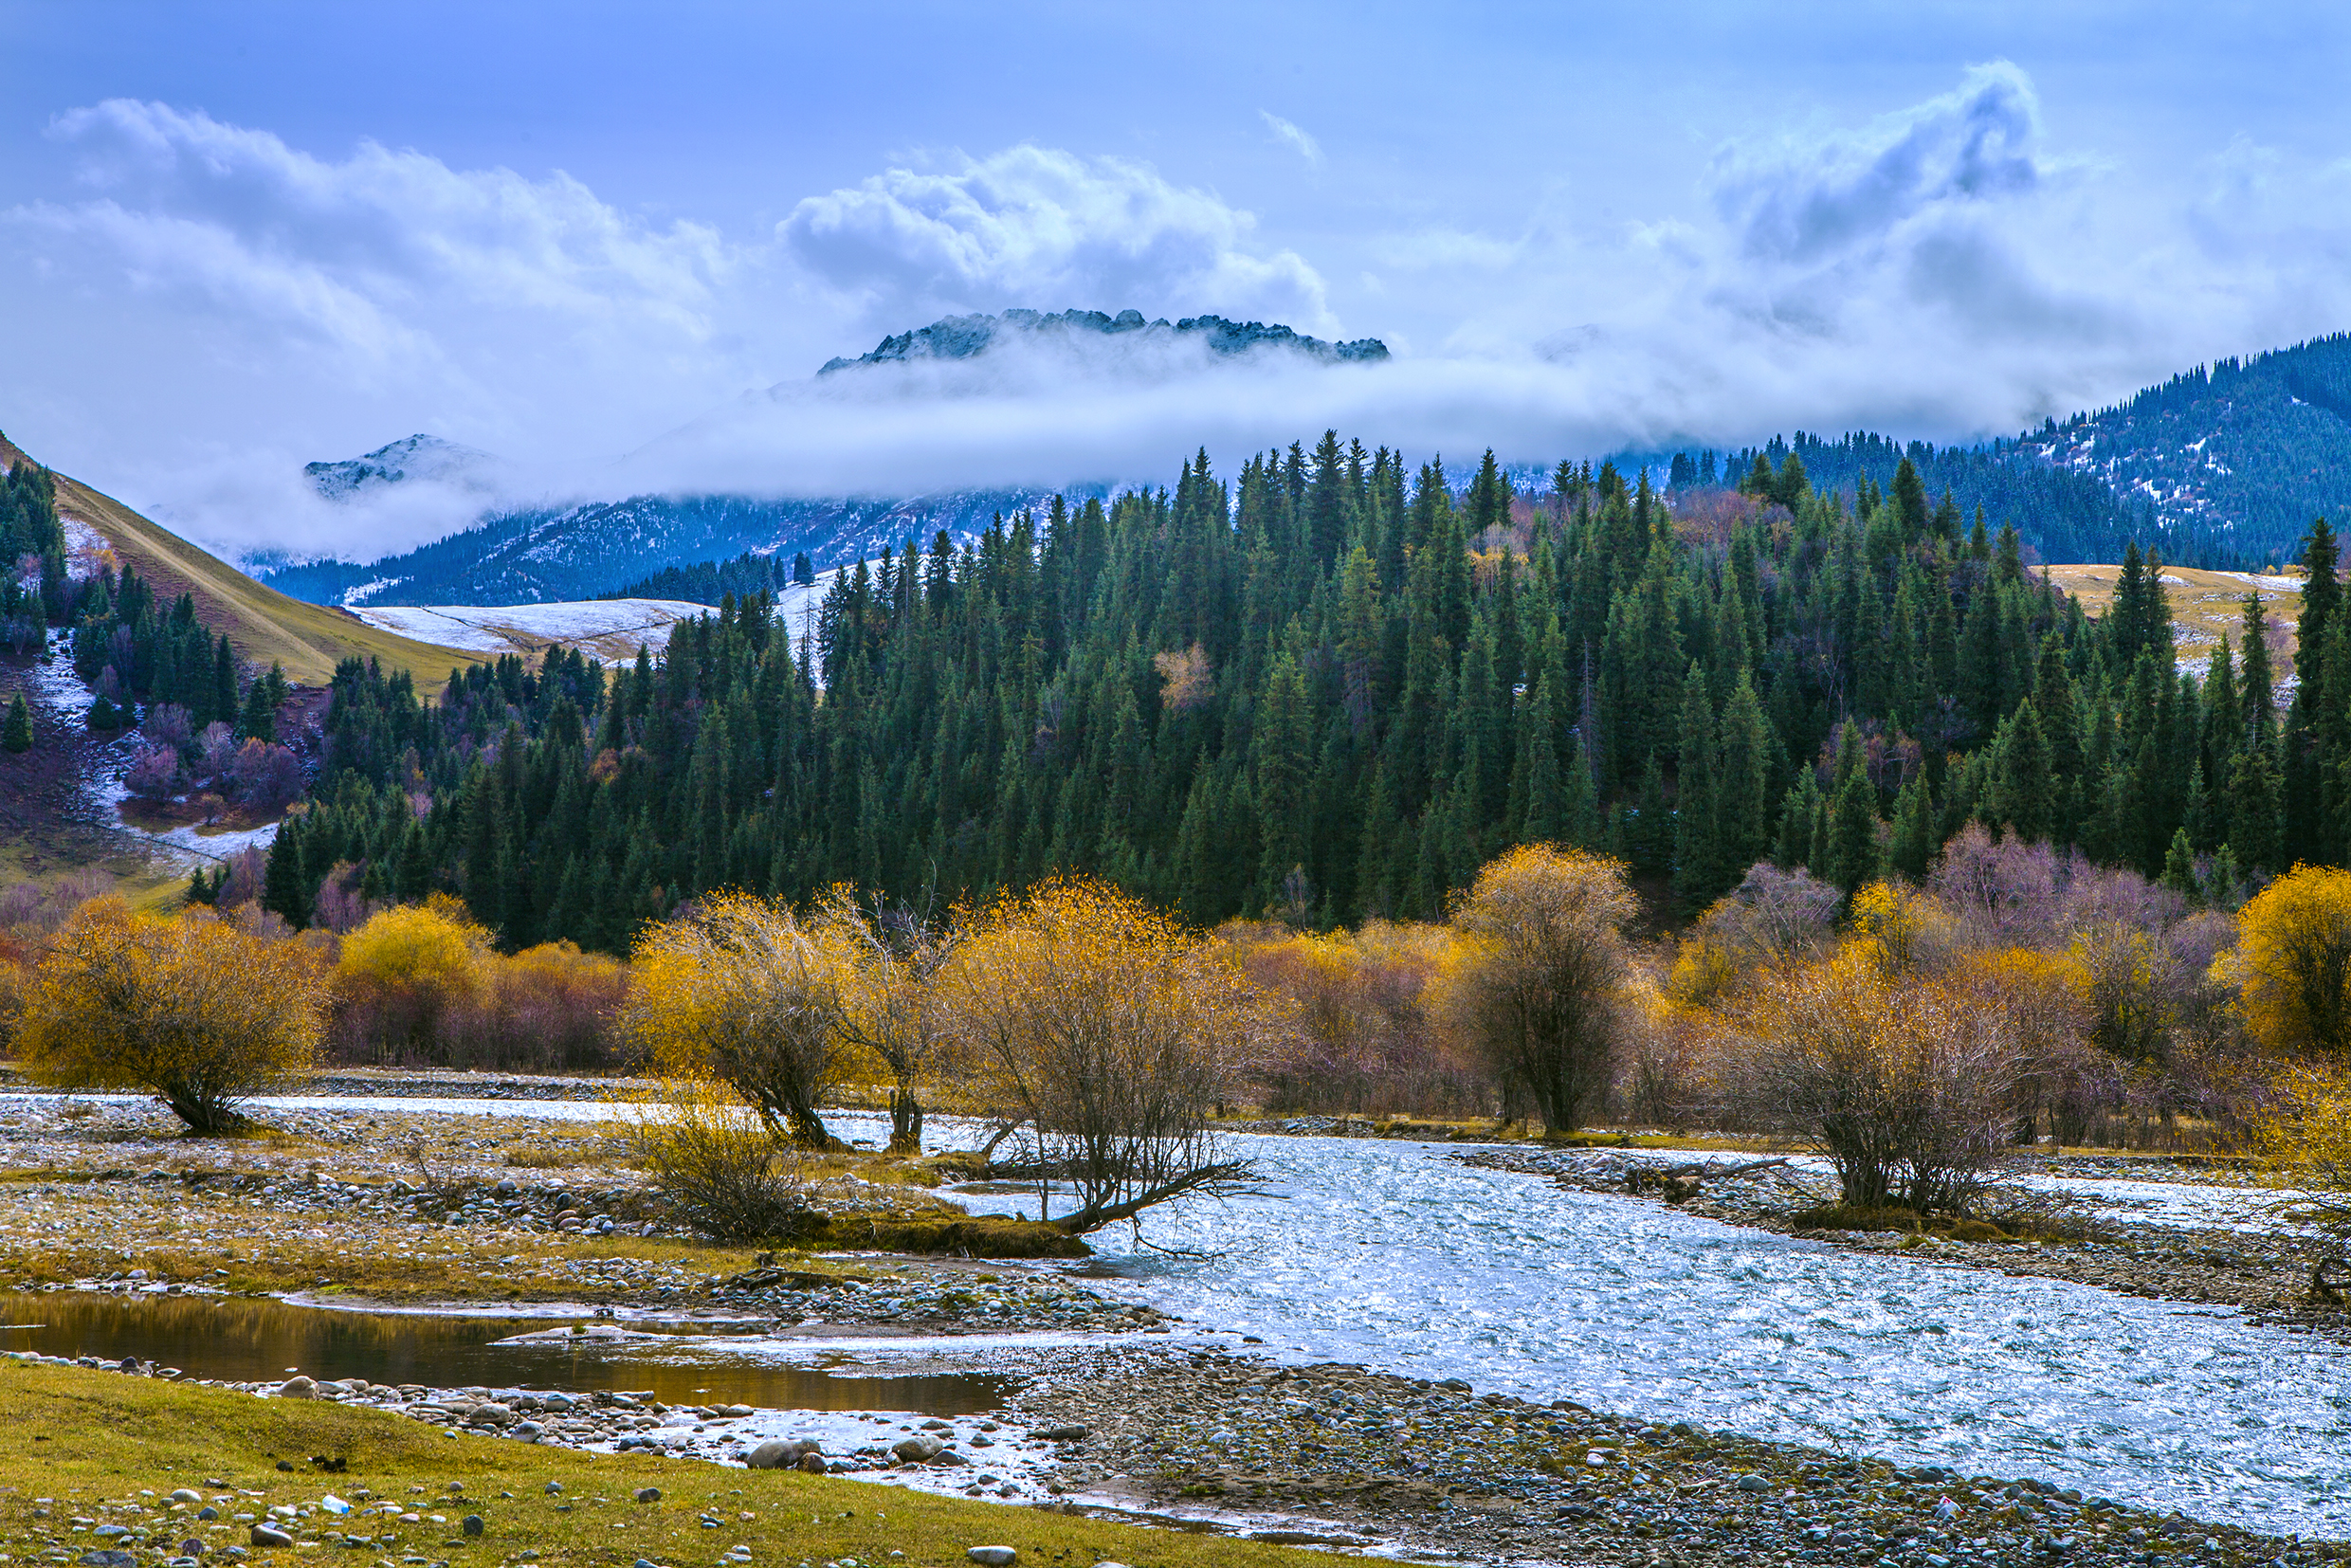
x,y
2243,454
1328,690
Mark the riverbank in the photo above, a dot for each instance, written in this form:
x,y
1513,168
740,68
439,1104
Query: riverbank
x,y
117,1472
1257,1454
377,1204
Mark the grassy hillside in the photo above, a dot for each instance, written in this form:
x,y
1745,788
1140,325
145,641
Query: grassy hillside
x,y
261,623
2204,605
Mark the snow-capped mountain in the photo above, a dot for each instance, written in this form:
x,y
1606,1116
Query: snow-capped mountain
x,y
418,457
969,336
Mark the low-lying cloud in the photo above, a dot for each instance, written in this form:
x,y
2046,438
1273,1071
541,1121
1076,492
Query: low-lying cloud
x,y
229,307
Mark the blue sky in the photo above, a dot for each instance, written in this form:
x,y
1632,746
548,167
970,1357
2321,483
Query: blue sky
x,y
236,236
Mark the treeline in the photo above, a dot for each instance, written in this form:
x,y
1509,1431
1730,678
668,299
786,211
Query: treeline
x,y
29,528
707,582
1330,690
131,649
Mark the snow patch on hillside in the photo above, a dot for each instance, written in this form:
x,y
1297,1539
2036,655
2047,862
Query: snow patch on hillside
x,y
609,629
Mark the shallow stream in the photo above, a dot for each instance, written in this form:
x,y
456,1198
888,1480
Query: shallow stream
x,y
679,1361
1399,1256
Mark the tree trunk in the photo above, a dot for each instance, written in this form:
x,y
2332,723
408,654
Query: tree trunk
x,y
905,1122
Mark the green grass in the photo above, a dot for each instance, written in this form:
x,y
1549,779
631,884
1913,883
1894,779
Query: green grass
x,y
84,1438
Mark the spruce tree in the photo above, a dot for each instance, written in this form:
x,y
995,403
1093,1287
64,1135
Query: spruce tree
x,y
16,730
1698,869
1852,833
2180,867
2023,789
1911,851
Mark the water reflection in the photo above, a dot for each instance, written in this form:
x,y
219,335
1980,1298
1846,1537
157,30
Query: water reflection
x,y
249,1340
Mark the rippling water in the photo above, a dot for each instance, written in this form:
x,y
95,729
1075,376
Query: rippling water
x,y
1399,1256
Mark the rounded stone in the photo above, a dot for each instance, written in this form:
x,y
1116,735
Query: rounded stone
x,y
648,1494
299,1387
993,1557
473,1525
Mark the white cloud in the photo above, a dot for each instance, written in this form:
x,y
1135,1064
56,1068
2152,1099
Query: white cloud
x,y
1293,138
1047,229
225,306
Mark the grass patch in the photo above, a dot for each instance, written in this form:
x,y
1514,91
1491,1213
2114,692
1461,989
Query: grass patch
x,y
83,1439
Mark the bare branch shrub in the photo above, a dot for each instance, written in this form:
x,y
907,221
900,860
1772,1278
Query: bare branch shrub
x,y
722,1166
1539,983
889,1001
1110,1032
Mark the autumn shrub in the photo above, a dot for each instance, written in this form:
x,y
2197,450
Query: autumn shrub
x,y
1906,1084
1108,1033
2294,960
738,991
1537,984
1353,1029
194,1010
401,976
728,1174
547,1009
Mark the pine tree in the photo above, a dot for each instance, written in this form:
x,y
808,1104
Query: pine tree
x,y
1698,869
1911,851
16,730
2180,867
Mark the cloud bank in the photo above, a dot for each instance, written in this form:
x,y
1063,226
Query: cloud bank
x,y
240,305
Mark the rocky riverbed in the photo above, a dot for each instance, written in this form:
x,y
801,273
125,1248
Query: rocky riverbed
x,y
1339,1456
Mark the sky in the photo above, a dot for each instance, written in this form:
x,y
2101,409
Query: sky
x,y
610,243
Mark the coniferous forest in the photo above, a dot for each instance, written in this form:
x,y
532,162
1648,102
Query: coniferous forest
x,y
1331,689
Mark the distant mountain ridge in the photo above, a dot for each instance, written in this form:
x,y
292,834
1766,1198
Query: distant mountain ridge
x,y
545,556
2243,454
967,337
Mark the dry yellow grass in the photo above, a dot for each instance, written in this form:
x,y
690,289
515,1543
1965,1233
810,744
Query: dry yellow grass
x,y
2205,605
264,625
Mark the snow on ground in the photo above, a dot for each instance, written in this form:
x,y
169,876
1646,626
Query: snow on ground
x,y
795,603
610,629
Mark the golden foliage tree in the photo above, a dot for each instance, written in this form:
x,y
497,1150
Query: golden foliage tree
x,y
740,991
405,970
1539,982
197,1011
890,1002
2304,1135
2294,952
1109,1032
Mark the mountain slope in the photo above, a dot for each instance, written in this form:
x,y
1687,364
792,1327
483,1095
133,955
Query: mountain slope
x,y
967,337
541,556
261,624
2246,451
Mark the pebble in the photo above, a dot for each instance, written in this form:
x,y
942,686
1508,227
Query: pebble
x,y
993,1557
269,1535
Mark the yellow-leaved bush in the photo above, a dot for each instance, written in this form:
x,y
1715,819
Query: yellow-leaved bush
x,y
192,1008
